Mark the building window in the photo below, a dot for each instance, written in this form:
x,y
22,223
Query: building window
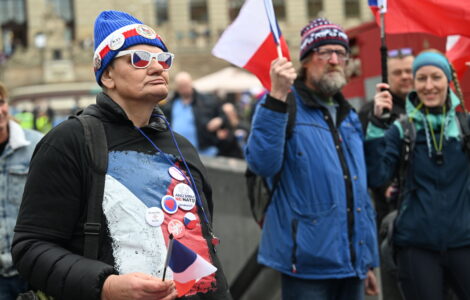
x,y
198,10
314,8
64,9
351,9
13,24
279,9
162,11
234,8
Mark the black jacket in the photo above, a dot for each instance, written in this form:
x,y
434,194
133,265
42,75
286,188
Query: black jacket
x,y
382,205
48,242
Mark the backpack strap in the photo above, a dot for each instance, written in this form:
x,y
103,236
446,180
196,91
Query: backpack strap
x,y
462,117
292,112
97,146
409,138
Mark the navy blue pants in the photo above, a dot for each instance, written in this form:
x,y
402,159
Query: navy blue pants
x,y
324,289
424,274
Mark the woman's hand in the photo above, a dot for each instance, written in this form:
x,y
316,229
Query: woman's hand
x,y
137,286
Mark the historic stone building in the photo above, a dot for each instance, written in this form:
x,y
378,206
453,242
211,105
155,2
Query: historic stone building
x,y
46,46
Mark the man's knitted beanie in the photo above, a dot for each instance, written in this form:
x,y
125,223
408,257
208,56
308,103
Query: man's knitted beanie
x,y
321,32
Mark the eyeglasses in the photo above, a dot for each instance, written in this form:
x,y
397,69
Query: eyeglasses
x,y
326,54
400,52
141,59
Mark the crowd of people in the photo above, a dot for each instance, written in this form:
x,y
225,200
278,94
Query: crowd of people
x,y
407,148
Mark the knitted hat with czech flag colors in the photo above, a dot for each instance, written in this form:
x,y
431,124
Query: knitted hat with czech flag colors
x,y
116,31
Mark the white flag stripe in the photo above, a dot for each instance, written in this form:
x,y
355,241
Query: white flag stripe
x,y
451,41
382,6
239,42
198,269
268,5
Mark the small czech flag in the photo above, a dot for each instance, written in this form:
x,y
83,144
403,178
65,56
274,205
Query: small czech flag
x,y
188,267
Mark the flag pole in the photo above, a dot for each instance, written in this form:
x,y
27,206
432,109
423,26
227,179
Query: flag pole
x,y
168,255
383,48
383,51
268,5
279,51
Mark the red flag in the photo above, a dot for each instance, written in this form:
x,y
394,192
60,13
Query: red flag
x,y
458,53
438,17
251,40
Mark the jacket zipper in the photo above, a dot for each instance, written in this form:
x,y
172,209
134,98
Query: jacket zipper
x,y
348,184
294,247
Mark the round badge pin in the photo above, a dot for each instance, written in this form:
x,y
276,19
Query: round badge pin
x,y
189,220
97,61
176,228
154,216
169,204
175,173
116,41
185,196
146,31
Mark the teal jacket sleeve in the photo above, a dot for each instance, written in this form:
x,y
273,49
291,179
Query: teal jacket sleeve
x,y
382,154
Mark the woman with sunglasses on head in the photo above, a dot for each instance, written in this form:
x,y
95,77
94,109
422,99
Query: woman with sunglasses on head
x,y
432,229
155,185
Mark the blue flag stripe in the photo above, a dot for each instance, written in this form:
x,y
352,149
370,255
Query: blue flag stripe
x,y
181,257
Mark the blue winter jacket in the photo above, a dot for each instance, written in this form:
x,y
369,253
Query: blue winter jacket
x,y
436,205
320,223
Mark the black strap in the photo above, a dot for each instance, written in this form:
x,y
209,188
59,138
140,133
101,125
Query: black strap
x,y
96,143
463,121
409,137
291,111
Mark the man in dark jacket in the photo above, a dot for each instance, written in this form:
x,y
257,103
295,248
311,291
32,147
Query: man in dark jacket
x,y
154,181
319,230
195,116
400,83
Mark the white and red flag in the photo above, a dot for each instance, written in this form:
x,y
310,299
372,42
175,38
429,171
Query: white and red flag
x,y
187,266
458,53
253,40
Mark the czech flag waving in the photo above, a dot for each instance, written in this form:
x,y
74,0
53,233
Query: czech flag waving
x,y
188,267
251,41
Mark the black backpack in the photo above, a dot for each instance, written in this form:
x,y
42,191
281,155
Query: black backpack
x,y
97,149
97,146
259,193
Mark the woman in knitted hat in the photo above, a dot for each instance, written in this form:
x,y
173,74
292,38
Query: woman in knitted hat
x,y
432,229
155,189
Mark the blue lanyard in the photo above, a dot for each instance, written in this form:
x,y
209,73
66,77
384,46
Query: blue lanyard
x,y
191,182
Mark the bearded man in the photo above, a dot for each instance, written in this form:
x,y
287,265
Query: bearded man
x,y
319,230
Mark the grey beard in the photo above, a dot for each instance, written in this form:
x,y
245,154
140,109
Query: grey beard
x,y
330,86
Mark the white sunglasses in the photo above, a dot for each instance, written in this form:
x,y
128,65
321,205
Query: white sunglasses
x,y
141,59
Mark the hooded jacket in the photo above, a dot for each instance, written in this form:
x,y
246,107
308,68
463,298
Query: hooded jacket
x,y
436,205
320,223
48,242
